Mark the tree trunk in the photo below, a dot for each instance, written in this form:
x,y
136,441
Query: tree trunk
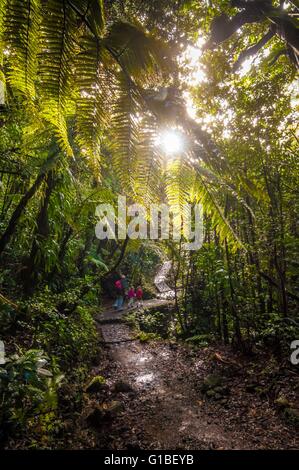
x,y
4,240
41,234
232,298
12,225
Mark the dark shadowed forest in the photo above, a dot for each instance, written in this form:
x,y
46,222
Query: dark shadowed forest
x,y
133,331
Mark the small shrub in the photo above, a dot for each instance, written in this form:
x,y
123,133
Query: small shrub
x,y
69,338
145,337
96,384
28,390
199,340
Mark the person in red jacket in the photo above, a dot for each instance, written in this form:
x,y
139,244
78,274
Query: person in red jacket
x,y
131,296
139,296
118,304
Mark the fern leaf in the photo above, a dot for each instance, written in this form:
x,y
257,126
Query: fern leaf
x,y
95,88
186,185
58,36
126,128
2,76
178,182
96,16
148,177
2,21
140,55
21,27
207,197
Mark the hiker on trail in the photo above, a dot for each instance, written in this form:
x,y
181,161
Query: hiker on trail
x,y
139,296
119,295
125,284
121,286
131,296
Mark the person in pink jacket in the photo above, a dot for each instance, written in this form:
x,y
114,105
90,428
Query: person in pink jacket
x,y
139,296
131,296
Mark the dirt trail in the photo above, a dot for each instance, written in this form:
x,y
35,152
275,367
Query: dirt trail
x,y
165,409
160,281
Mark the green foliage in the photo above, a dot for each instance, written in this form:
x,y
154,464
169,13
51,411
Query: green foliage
x,y
146,337
79,127
70,338
155,324
199,340
99,379
27,388
141,265
8,317
94,84
278,332
22,22
96,384
76,62
131,320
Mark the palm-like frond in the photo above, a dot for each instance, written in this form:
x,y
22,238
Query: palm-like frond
x,y
95,92
96,15
22,25
185,184
58,53
2,76
140,55
149,168
58,37
204,193
126,128
179,180
2,19
92,13
223,183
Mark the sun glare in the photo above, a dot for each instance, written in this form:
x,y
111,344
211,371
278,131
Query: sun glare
x,y
193,72
190,60
171,142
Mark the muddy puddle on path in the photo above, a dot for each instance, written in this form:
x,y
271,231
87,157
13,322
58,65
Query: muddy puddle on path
x,y
164,412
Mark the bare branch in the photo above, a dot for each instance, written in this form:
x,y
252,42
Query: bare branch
x,y
253,49
279,53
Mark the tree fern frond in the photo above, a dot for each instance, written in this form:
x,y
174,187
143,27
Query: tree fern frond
x,y
126,128
96,16
186,185
149,164
253,189
2,76
177,189
138,53
91,13
22,29
58,35
95,90
223,184
179,181
206,196
3,4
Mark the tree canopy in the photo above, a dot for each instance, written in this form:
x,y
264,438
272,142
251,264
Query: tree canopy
x,y
88,89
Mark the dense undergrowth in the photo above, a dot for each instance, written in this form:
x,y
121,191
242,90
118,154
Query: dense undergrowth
x,y
48,355
87,90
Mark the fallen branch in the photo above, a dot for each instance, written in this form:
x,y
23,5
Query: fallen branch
x,y
219,358
7,301
275,284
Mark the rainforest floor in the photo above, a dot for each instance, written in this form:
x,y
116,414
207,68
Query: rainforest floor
x,y
167,395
